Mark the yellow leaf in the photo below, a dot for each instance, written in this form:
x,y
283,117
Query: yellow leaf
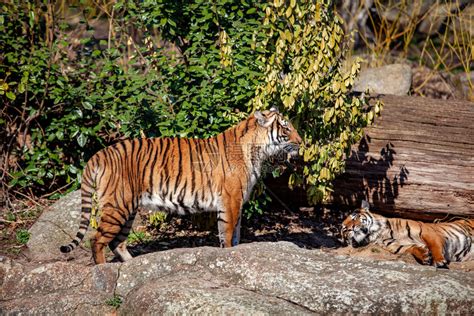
x,y
328,115
306,156
343,89
324,173
355,68
325,34
370,116
288,36
377,109
348,82
331,42
336,86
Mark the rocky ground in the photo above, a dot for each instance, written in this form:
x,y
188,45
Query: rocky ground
x,y
306,271
263,277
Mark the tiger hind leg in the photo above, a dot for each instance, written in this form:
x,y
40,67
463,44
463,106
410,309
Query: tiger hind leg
x,y
119,244
111,223
438,259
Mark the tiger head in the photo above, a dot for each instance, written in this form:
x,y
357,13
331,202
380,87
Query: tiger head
x,y
280,136
357,228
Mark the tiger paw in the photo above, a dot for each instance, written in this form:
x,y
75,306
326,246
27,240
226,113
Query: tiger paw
x,y
422,255
428,259
441,265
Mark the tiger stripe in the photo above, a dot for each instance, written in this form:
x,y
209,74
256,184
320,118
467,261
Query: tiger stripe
x,y
435,244
179,175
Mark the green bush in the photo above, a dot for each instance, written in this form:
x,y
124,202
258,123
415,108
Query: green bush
x,y
66,96
77,98
306,75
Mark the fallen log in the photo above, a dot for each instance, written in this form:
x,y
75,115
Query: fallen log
x,y
416,161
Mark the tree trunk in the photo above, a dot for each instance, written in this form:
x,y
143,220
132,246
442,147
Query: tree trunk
x,y
417,161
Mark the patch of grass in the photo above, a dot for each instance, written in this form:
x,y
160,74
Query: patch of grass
x,y
115,301
138,236
22,236
157,219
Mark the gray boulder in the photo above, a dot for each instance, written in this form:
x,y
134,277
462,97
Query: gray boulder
x,y
56,226
462,84
390,79
263,278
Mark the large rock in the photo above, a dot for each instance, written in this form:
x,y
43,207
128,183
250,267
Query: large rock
x,y
55,288
464,84
264,278
56,226
390,79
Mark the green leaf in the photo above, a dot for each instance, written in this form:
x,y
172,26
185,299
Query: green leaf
x,y
87,105
11,95
81,139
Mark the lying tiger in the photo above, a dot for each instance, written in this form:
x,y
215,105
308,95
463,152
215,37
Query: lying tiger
x,y
430,243
179,175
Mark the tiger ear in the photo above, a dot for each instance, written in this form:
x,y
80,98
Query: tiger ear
x,y
365,205
274,109
262,120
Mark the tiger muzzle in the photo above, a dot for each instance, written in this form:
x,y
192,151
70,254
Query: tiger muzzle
x,y
292,149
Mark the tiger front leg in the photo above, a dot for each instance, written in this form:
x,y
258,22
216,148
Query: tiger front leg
x,y
228,223
436,246
422,254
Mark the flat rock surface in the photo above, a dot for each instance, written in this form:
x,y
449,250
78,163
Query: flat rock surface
x,y
264,278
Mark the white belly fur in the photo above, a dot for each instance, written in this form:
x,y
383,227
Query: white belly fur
x,y
155,202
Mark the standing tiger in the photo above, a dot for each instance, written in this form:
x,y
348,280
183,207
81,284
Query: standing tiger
x,y
430,243
179,175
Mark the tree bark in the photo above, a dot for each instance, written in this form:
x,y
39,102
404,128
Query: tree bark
x,y
416,161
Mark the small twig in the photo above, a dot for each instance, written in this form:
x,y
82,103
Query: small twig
x,y
55,191
111,20
29,198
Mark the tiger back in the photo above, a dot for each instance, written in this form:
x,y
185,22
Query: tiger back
x,y
179,175
435,244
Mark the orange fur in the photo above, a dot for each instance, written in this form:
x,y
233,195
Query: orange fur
x,y
181,176
430,243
